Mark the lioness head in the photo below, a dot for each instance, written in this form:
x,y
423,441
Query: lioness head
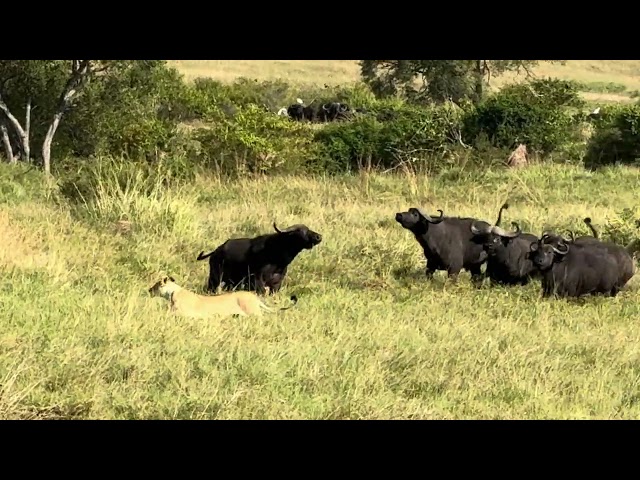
x,y
163,287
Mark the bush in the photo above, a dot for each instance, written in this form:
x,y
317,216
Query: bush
x,y
416,131
540,114
254,141
617,137
127,115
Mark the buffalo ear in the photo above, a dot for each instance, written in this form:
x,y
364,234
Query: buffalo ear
x,y
533,247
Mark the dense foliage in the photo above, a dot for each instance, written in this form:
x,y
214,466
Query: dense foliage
x,y
145,111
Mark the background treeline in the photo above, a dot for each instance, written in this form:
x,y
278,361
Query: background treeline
x,y
422,114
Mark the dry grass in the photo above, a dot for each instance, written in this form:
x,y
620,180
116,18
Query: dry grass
x,y
369,338
332,72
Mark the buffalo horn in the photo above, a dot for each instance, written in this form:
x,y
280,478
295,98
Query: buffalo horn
x,y
429,218
503,233
480,231
560,252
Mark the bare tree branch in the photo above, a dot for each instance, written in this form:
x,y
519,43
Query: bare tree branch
x,y
6,141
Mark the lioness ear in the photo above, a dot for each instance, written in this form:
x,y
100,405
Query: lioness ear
x,y
164,280
172,279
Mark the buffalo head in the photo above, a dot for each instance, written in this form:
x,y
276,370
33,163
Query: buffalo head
x,y
494,237
302,235
416,220
543,255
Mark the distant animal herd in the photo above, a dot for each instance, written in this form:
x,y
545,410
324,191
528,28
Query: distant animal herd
x,y
565,266
326,112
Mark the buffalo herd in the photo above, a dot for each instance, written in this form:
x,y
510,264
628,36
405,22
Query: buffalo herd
x,y
322,113
566,267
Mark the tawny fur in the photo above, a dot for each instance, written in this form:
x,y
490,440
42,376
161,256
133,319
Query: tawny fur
x,y
189,304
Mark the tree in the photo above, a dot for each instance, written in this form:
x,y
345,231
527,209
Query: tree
x,y
54,87
437,80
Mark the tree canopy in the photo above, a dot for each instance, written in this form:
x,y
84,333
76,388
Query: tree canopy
x,y
424,81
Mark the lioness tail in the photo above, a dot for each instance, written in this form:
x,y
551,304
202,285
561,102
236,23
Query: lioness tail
x,y
294,299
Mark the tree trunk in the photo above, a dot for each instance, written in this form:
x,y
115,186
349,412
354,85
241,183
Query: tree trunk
x,y
7,142
12,121
79,71
26,146
48,139
479,74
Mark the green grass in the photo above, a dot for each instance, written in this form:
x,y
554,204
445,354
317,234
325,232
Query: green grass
x,y
369,338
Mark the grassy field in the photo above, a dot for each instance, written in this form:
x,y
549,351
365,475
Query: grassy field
x,y
598,74
369,338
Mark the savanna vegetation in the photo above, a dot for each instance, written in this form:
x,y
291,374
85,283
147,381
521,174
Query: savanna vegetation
x,y
114,173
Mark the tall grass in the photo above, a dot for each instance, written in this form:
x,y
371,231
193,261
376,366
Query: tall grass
x,y
369,338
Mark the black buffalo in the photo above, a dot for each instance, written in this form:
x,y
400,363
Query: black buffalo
x,y
509,261
555,239
309,113
329,112
258,262
623,256
447,242
575,270
296,111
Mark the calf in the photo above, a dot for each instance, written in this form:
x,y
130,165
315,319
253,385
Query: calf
x,y
447,242
258,262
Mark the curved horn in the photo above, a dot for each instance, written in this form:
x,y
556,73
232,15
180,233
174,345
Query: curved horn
x,y
480,231
560,252
288,229
431,219
324,106
505,206
503,233
572,236
587,220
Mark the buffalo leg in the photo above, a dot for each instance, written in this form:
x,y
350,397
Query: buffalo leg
x,y
214,280
431,269
453,273
476,275
261,287
275,282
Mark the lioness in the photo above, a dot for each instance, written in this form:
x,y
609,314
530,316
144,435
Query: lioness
x,y
190,304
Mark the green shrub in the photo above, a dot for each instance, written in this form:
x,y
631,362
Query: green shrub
x,y
617,137
254,141
126,115
540,114
346,146
412,130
